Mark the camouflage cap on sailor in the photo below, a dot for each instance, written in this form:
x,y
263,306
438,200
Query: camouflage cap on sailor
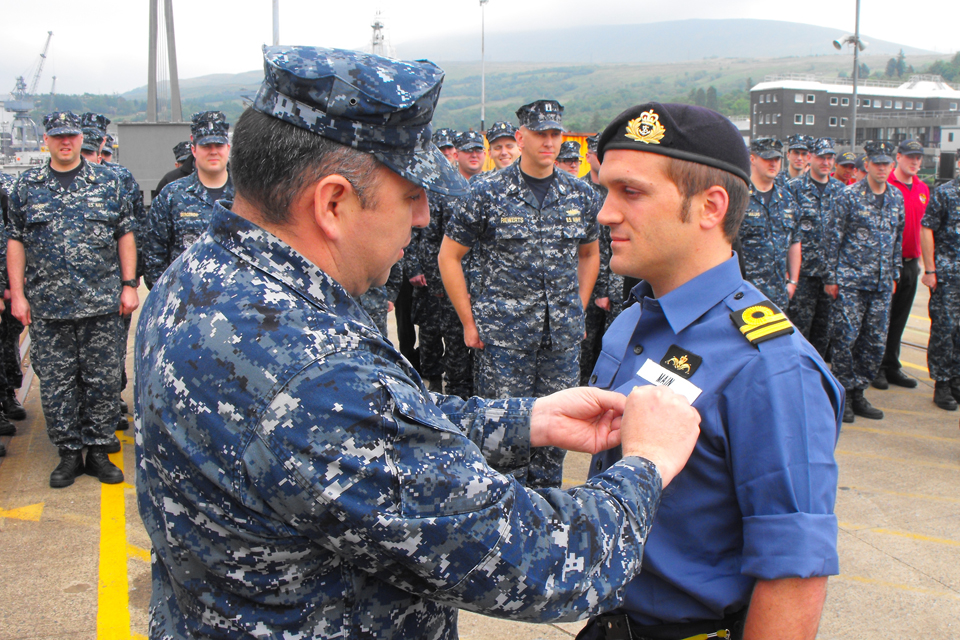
x,y
469,141
209,127
799,141
181,151
62,123
373,104
92,139
879,151
94,120
108,145
766,148
682,131
541,115
592,142
501,129
858,163
444,137
910,148
847,158
569,150
823,147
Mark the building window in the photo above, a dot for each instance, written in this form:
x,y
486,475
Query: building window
x,y
843,122
767,120
953,106
775,118
834,101
845,102
774,97
811,98
798,119
908,104
833,122
866,102
876,104
798,97
898,105
919,106
809,118
887,104
950,137
761,98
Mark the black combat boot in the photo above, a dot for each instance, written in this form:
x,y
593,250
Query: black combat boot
x,y
848,416
71,466
124,409
899,378
880,382
114,446
862,407
3,451
955,388
12,407
99,466
7,428
943,396
122,424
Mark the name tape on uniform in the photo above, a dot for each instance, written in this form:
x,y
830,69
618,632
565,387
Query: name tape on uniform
x,y
662,377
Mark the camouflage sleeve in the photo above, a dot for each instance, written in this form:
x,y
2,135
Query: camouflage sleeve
x,y
936,211
602,286
389,484
834,238
393,282
898,238
15,215
156,238
128,222
590,211
466,224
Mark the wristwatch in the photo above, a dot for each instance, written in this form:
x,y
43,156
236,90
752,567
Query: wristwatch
x,y
793,282
930,273
135,283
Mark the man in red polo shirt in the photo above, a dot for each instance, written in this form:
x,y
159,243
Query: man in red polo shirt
x,y
916,194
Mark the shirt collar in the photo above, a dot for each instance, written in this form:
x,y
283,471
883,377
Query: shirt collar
x,y
685,304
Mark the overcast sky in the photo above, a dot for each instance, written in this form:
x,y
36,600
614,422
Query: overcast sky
x,y
100,46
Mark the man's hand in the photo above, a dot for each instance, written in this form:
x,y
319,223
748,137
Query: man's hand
x,y
791,289
390,307
930,280
419,281
661,426
129,300
603,303
833,290
471,337
578,419
20,309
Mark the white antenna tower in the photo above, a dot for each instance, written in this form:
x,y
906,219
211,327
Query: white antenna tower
x,y
377,47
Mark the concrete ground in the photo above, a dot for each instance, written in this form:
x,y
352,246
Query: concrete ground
x,y
74,562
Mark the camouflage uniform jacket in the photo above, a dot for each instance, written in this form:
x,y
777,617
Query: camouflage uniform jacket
x,y
6,188
865,247
814,220
132,191
70,239
178,215
527,263
297,479
766,235
943,218
442,209
609,284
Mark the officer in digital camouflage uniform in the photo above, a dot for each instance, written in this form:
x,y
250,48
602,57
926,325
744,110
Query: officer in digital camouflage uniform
x,y
815,193
768,235
181,212
569,159
606,301
798,153
295,477
863,266
183,165
746,536
72,261
535,229
940,240
12,409
444,139
502,138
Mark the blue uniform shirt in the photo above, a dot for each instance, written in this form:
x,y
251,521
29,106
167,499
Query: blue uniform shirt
x,y
756,499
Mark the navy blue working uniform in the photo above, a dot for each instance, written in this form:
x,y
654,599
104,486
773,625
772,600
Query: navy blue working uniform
x,y
757,497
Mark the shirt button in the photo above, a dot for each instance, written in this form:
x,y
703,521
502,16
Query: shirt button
x,y
593,379
638,349
738,295
599,465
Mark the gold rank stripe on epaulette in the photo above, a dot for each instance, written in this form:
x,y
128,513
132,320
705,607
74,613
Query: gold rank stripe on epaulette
x,y
762,321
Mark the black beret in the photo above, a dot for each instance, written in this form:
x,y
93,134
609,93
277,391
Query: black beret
x,y
681,131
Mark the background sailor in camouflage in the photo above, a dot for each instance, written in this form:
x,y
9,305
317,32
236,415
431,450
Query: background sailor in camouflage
x,y
537,231
444,138
815,193
940,239
798,153
768,235
181,212
379,301
358,505
569,159
72,265
863,266
11,377
502,138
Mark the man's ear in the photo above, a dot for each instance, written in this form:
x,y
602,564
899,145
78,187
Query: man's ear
x,y
333,200
713,204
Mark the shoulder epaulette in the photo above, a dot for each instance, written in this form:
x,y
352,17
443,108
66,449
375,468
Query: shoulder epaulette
x,y
761,322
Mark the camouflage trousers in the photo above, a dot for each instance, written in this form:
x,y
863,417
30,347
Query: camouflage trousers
x,y
426,315
860,322
78,363
809,311
11,373
457,356
512,373
595,321
943,352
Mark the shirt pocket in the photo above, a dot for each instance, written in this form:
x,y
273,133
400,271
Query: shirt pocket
x,y
441,473
101,225
604,371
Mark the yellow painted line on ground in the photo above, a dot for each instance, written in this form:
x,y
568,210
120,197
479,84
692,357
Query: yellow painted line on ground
x,y
919,318
897,586
138,553
900,534
30,512
902,434
899,461
901,494
914,366
138,636
113,591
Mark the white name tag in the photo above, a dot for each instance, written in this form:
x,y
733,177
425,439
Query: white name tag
x,y
658,375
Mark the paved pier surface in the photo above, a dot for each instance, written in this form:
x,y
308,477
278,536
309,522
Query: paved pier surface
x,y
74,562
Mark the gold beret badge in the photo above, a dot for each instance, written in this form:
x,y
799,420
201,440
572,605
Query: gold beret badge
x,y
646,128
